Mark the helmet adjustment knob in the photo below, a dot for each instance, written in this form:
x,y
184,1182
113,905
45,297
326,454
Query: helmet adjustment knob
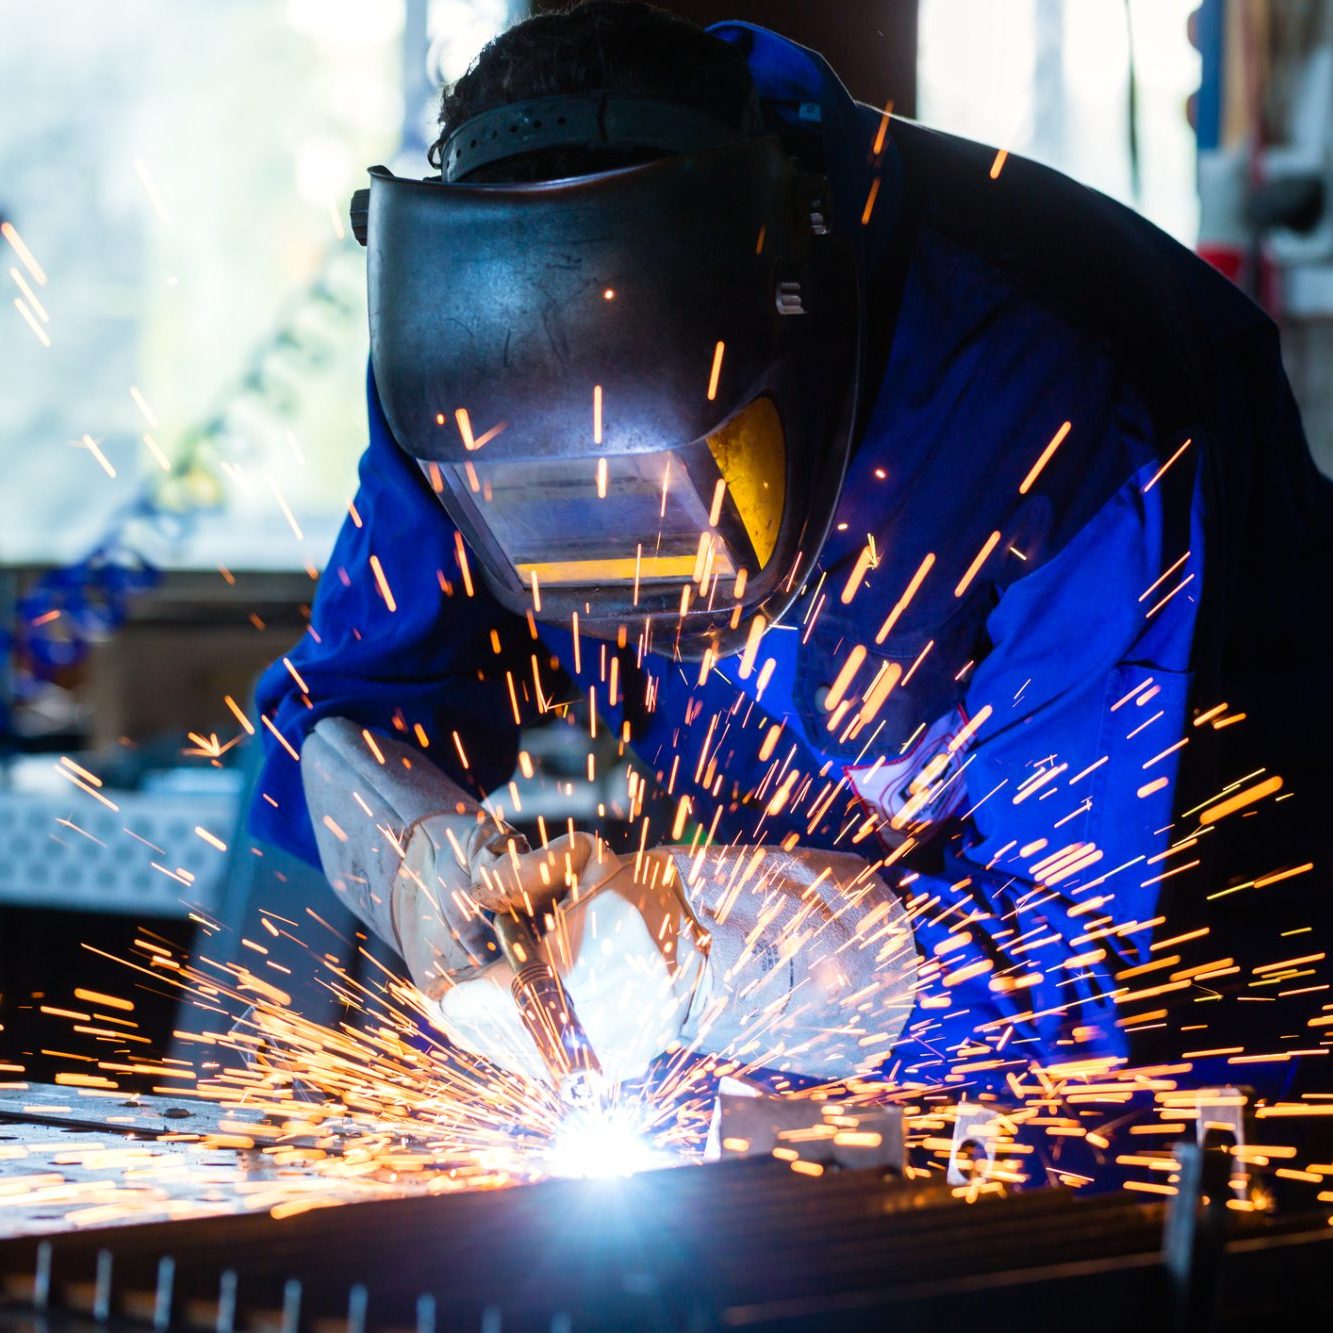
x,y
815,205
790,297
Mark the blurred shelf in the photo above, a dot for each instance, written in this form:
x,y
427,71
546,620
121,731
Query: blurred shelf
x,y
142,857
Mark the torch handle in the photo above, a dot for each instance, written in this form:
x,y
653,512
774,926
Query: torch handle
x,y
546,1008
548,1014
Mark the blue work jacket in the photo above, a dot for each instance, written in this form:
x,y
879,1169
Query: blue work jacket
x,y
1058,455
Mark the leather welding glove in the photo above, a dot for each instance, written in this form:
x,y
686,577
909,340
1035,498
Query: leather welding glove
x,y
812,963
629,954
413,855
801,961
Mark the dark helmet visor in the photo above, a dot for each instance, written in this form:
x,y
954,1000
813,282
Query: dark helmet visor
x,y
636,387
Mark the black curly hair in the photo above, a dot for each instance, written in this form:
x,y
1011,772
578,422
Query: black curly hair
x,y
621,46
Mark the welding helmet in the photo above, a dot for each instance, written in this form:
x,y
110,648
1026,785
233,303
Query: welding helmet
x,y
632,390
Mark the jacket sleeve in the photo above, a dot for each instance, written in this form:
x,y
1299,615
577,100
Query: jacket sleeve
x,y
1048,894
404,649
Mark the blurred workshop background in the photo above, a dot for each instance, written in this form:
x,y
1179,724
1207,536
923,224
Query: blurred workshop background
x,y
183,355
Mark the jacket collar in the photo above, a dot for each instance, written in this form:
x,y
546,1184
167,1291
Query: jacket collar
x,y
800,91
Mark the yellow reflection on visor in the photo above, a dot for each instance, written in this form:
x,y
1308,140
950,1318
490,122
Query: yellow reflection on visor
x,y
611,569
751,456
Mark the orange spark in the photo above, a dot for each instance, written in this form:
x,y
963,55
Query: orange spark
x,y
864,563
465,428
382,583
25,255
156,450
107,1001
1056,441
881,134
870,202
715,510
974,568
80,770
29,295
757,627
21,306
460,552
286,510
1157,476
282,740
844,677
91,445
715,374
880,688
905,600
142,404
970,729
1240,800
238,714
1162,578
1276,876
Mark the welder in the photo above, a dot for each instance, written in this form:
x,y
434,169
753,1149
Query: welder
x,y
912,513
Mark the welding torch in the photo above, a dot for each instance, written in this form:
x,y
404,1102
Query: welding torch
x,y
544,1005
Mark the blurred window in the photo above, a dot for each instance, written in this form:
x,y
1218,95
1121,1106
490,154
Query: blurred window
x,y
1049,79
180,171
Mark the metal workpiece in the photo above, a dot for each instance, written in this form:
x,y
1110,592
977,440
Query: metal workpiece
x,y
135,1116
821,1132
975,1131
70,1162
856,1238
740,1244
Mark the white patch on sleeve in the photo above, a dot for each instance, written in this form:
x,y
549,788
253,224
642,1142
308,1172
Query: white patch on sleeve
x,y
920,789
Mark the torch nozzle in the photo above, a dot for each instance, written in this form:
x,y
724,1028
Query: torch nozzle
x,y
546,1008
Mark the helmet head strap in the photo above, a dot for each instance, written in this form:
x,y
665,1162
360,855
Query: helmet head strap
x,y
595,122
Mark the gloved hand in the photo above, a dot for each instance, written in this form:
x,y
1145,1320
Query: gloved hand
x,y
798,960
801,961
812,959
629,954
413,855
